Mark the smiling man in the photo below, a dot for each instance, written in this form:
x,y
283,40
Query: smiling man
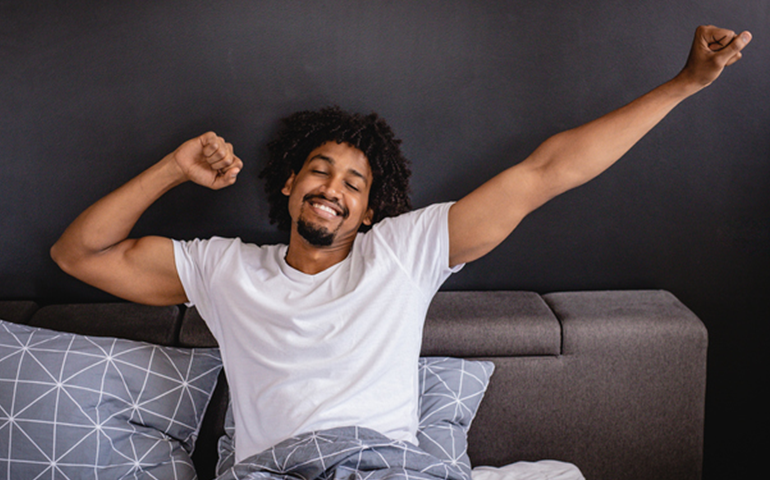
x,y
329,198
325,331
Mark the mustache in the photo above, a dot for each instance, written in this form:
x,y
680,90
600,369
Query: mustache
x,y
313,196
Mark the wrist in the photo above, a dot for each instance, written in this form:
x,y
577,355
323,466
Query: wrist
x,y
159,179
683,85
170,172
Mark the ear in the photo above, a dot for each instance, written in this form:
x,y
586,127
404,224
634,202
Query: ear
x,y
368,217
286,190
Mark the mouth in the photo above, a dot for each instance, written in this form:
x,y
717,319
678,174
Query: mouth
x,y
326,207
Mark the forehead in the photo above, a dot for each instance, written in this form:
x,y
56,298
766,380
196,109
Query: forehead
x,y
341,156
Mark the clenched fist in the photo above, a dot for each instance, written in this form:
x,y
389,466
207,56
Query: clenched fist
x,y
713,49
208,160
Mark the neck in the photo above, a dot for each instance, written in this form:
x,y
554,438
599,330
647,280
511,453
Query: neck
x,y
311,259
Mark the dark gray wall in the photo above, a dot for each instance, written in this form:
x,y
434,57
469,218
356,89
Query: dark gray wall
x,y
92,92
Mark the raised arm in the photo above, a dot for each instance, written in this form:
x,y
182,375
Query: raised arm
x,y
96,249
483,219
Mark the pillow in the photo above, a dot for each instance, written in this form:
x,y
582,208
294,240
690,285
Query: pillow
x,y
451,390
74,406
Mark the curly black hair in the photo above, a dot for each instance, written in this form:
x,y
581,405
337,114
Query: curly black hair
x,y
303,132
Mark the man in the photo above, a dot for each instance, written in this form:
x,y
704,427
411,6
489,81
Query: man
x,y
325,331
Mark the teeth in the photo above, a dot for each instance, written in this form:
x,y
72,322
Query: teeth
x,y
325,208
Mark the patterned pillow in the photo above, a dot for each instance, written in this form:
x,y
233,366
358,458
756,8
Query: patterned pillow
x,y
74,406
451,390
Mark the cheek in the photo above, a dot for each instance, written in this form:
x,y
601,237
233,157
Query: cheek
x,y
294,204
364,212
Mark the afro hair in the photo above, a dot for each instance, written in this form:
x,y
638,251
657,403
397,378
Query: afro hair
x,y
302,132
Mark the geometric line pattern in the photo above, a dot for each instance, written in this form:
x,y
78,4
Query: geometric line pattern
x,y
349,453
74,407
451,390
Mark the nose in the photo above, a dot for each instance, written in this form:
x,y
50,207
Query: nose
x,y
332,187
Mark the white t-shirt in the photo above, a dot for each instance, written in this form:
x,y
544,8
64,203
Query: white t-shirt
x,y
310,352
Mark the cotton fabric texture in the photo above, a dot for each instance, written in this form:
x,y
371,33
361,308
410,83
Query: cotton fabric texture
x,y
313,352
451,390
343,453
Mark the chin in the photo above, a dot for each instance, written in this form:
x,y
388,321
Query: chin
x,y
314,235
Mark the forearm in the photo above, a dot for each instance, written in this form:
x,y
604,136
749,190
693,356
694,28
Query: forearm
x,y
110,220
562,162
484,218
576,156
96,249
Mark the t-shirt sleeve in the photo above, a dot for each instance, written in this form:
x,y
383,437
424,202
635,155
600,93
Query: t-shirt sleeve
x,y
197,263
419,241
187,269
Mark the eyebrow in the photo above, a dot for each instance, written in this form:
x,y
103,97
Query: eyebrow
x,y
330,160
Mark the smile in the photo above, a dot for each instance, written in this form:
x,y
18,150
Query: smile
x,y
326,207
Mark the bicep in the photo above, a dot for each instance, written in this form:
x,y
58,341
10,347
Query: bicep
x,y
139,270
480,221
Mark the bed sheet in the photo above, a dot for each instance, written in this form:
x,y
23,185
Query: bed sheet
x,y
542,470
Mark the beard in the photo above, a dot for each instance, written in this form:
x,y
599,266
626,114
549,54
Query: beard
x,y
316,236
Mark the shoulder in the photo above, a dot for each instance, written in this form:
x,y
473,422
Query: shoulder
x,y
420,220
432,212
408,235
219,248
208,245
417,242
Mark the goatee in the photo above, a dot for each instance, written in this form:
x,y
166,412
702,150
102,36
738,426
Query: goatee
x,y
316,236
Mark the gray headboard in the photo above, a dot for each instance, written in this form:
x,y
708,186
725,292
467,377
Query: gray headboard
x,y
92,92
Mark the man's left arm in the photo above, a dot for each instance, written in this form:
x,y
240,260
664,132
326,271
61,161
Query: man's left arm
x,y
484,218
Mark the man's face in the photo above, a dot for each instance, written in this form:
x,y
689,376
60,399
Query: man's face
x,y
329,196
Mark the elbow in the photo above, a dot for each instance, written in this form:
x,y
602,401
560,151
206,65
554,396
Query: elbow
x,y
558,172
58,255
63,257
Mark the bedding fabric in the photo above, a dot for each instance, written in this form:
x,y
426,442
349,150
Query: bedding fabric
x,y
74,406
542,470
451,390
343,453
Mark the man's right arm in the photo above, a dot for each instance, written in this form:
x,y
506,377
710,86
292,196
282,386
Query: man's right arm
x,y
96,249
